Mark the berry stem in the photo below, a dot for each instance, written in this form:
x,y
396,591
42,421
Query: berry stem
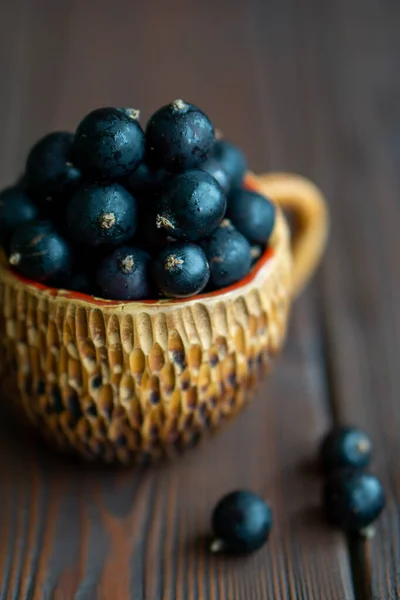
x,y
107,220
368,532
217,545
163,222
133,113
179,104
15,259
364,446
128,264
172,261
255,252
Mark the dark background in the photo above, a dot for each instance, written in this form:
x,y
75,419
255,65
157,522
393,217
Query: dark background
x,y
309,86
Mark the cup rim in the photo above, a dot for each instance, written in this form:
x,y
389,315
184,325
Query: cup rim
x,y
267,259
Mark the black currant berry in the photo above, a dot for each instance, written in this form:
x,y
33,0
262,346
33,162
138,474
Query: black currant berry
x,y
191,205
51,176
228,254
352,500
252,214
345,447
102,214
241,523
213,168
124,275
40,253
145,180
16,208
109,143
232,161
180,270
179,136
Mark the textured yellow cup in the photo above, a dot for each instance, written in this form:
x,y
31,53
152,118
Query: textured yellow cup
x,y
126,381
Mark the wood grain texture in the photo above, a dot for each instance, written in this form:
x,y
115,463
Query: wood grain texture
x,y
76,531
308,86
355,159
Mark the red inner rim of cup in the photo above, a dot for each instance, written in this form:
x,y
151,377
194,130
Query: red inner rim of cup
x,y
250,184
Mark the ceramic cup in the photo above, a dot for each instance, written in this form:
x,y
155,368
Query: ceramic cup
x,y
132,381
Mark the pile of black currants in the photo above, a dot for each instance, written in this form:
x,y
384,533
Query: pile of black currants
x,y
125,214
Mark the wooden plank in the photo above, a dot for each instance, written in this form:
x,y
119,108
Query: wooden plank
x,y
350,50
70,531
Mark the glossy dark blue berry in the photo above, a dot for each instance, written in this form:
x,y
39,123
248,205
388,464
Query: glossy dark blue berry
x,y
180,270
232,161
214,168
16,208
345,447
241,523
191,205
145,180
352,500
252,214
179,136
50,174
102,214
124,275
38,252
109,143
228,254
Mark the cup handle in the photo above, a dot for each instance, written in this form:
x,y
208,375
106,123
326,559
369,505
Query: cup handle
x,y
300,196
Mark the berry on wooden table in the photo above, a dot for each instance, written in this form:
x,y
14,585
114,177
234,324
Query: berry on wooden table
x,y
109,143
241,523
353,500
191,205
102,214
181,270
345,447
179,136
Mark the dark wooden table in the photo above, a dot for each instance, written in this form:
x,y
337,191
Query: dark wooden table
x,y
309,86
